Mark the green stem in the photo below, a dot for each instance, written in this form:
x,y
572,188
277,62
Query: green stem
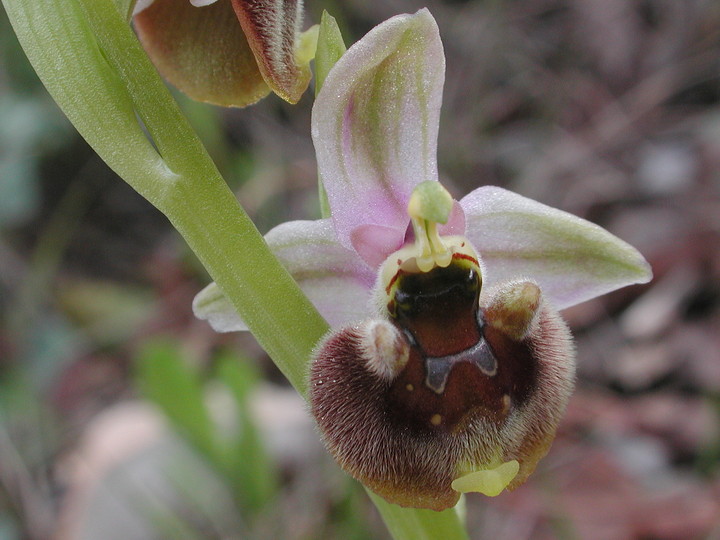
x,y
91,63
94,67
416,524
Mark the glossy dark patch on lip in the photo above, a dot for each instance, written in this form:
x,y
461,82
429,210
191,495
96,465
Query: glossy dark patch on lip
x,y
439,307
458,364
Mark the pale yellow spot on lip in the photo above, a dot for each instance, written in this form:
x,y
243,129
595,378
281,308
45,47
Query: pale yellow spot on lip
x,y
409,387
506,402
435,419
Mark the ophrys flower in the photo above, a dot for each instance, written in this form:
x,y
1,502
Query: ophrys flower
x,y
448,368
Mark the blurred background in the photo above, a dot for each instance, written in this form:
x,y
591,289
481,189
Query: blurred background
x,y
121,416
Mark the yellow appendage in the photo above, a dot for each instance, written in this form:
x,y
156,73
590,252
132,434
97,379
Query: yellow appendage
x,y
490,482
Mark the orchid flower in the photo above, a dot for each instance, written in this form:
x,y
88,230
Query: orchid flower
x,y
228,52
448,368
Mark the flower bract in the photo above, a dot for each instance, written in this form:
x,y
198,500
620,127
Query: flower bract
x,y
448,367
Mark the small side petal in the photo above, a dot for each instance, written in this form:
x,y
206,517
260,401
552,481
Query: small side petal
x,y
334,278
571,259
455,225
212,305
273,31
375,124
202,51
374,242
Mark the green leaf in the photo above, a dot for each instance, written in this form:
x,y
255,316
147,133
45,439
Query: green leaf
x,y
253,472
165,379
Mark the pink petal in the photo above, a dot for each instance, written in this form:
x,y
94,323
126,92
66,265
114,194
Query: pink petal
x,y
375,126
571,259
375,242
334,278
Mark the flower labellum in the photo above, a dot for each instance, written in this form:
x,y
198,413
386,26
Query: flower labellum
x,y
448,367
228,52
441,394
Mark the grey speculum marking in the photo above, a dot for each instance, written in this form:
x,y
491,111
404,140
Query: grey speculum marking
x,y
439,367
